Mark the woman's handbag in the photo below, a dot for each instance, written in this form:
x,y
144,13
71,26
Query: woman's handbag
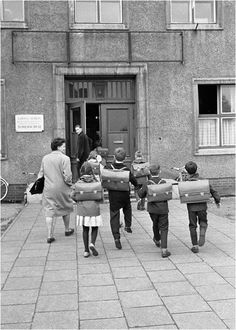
x,y
38,186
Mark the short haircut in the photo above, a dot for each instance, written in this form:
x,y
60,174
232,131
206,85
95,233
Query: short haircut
x,y
86,169
78,125
138,154
120,154
57,142
93,155
191,167
154,169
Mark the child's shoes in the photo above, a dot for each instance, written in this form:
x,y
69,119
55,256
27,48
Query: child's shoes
x,y
165,253
86,254
158,244
94,251
195,249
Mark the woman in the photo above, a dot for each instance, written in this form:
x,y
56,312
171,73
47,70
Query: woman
x,y
56,170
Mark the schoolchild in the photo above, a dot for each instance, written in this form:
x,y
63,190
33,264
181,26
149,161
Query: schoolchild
x,y
197,212
158,212
139,159
95,159
120,199
88,213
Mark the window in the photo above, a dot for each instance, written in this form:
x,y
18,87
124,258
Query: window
x,y
216,117
98,11
193,11
12,11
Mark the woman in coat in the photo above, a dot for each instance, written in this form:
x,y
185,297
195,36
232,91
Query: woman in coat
x,y
56,169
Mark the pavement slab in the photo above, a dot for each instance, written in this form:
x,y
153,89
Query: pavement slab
x,y
52,286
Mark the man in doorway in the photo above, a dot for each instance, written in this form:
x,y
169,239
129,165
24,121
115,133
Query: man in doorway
x,y
83,147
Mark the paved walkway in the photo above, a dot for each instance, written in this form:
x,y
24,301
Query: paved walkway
x,y
53,287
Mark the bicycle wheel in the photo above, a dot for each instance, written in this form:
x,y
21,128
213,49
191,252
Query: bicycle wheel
x,y
4,188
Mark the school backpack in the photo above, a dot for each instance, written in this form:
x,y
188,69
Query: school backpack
x,y
87,191
157,192
115,179
194,191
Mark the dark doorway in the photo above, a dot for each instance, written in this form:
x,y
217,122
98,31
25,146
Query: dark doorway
x,y
93,124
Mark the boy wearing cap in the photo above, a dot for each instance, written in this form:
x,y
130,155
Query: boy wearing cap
x,y
120,199
197,212
158,212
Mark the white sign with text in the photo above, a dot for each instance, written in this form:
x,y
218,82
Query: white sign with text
x,y
29,123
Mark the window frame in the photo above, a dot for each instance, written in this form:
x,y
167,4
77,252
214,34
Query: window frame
x,y
3,147
83,26
14,24
216,25
221,148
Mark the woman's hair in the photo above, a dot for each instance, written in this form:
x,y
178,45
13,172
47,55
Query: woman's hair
x,y
57,142
86,169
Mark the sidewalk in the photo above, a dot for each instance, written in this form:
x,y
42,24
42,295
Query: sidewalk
x,y
54,287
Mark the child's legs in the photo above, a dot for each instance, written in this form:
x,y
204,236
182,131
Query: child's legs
x,y
86,238
202,218
163,227
155,226
193,226
127,210
115,223
136,194
94,234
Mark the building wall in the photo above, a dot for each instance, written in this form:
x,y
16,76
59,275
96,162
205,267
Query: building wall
x,y
29,87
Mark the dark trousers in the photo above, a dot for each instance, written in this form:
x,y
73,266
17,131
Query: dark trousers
x,y
196,217
115,219
160,228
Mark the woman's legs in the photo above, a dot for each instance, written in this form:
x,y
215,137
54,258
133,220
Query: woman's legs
x,y
66,220
50,222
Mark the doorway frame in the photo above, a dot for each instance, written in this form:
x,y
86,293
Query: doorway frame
x,y
139,71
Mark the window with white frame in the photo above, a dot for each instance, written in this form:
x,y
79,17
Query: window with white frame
x,y
12,11
193,11
98,11
216,118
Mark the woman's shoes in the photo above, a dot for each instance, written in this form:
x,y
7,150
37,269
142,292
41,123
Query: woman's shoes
x,y
69,232
93,250
50,240
86,254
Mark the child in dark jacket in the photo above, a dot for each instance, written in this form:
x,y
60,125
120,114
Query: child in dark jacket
x,y
158,212
120,199
197,212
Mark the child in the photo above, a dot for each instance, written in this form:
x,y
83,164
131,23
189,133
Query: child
x,y
95,160
139,160
120,199
158,212
88,213
197,212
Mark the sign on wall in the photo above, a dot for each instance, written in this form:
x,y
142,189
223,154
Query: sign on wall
x,y
29,123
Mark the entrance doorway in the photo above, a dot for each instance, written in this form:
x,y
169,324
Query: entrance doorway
x,y
107,125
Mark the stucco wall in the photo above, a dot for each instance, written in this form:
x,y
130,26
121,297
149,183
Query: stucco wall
x,y
29,86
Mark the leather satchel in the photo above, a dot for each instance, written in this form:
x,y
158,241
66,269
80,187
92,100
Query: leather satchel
x,y
140,170
115,179
83,191
38,186
159,192
194,191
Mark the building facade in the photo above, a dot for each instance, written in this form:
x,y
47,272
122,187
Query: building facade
x,y
156,76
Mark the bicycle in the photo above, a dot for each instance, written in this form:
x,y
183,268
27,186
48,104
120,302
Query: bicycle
x,y
28,185
4,188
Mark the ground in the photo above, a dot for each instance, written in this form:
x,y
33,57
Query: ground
x,y
10,210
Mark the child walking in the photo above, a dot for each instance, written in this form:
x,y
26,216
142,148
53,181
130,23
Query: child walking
x,y
120,199
88,213
197,212
139,159
158,212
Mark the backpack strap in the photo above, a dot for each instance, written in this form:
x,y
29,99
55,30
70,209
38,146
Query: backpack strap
x,y
118,169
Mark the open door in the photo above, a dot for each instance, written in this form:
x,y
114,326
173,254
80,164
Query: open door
x,y
117,128
76,114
